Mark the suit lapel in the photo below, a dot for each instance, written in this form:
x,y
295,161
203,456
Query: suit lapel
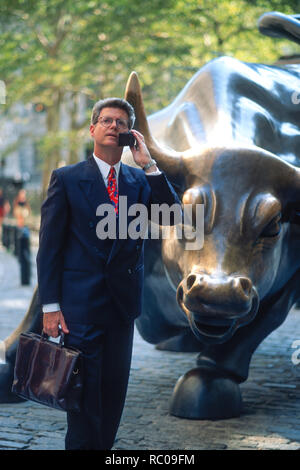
x,y
93,186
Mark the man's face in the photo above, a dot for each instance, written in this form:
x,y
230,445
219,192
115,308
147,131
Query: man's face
x,y
108,136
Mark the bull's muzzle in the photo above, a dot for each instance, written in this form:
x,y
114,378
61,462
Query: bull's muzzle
x,y
217,305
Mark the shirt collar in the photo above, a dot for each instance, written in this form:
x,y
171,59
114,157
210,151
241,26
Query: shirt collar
x,y
105,167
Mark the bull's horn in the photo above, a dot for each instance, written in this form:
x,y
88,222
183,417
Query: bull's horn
x,y
169,161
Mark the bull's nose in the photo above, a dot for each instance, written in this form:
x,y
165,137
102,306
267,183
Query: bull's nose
x,y
203,293
241,284
216,305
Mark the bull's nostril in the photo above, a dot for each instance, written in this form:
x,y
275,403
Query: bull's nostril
x,y
246,285
190,281
179,294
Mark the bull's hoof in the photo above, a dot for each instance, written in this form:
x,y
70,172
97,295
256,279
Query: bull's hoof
x,y
202,393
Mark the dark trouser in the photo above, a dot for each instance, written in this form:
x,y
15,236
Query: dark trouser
x,y
106,361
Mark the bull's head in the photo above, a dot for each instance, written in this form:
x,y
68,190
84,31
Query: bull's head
x,y
248,255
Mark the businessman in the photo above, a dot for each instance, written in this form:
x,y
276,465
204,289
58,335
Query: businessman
x,y
92,286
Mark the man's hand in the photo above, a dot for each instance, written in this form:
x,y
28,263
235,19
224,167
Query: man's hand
x,y
141,154
51,321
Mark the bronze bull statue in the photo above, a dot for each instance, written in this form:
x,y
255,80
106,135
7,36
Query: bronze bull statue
x,y
230,141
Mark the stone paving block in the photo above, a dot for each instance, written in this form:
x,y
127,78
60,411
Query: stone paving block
x,y
9,422
35,426
46,442
47,446
13,445
15,437
57,436
7,431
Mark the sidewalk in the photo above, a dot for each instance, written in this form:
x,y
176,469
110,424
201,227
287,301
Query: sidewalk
x,y
271,395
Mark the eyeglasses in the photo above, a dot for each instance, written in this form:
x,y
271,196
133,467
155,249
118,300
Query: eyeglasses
x,y
107,121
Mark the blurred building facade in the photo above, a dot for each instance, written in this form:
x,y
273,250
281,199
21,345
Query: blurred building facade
x,y
21,128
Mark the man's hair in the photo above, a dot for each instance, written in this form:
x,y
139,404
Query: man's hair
x,y
113,103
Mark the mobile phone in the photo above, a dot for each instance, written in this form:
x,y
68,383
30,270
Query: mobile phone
x,y
126,138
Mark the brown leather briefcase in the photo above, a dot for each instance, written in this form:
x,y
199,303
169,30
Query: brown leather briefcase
x,y
48,372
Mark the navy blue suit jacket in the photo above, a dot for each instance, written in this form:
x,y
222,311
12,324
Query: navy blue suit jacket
x,y
77,269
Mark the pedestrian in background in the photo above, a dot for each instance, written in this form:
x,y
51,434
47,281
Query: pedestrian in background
x,y
21,208
4,209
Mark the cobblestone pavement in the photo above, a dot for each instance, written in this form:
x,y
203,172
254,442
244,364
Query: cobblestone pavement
x,y
271,395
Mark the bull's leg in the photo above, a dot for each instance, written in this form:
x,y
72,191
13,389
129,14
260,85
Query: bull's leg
x,y
211,390
30,322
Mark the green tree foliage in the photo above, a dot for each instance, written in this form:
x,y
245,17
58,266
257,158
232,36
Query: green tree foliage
x,y
50,49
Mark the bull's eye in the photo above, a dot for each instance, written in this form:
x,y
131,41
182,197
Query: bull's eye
x,y
273,228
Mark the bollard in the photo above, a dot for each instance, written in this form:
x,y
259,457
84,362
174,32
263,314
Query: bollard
x,y
5,236
24,255
17,239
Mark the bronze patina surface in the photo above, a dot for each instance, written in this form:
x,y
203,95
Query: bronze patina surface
x,y
230,140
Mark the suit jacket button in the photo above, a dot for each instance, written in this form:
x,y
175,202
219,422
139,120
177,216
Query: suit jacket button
x,y
129,271
91,224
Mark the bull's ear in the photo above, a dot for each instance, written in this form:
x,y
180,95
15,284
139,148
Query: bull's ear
x,y
277,173
293,197
168,160
291,181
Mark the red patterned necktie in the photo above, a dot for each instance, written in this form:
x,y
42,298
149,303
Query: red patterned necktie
x,y
112,188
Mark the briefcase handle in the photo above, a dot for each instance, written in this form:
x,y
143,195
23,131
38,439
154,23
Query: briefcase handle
x,y
44,336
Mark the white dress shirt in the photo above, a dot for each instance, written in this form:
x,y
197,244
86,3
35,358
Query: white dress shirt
x,y
104,169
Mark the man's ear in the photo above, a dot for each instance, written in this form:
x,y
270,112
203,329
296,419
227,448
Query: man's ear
x,y
92,128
